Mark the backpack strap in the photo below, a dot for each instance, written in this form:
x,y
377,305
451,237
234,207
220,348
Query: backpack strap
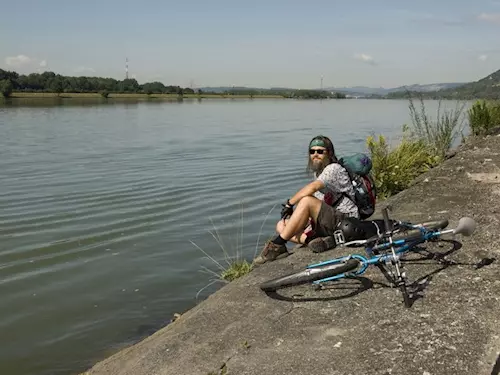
x,y
337,202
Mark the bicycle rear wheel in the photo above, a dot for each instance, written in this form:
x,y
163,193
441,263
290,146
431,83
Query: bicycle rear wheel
x,y
308,275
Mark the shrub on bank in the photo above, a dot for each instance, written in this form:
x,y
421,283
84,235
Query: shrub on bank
x,y
423,146
395,168
484,116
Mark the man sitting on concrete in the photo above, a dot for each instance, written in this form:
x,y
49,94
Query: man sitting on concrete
x,y
320,205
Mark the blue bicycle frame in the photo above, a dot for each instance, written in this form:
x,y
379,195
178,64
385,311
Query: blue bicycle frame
x,y
399,246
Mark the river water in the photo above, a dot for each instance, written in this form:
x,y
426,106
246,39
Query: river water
x,y
103,208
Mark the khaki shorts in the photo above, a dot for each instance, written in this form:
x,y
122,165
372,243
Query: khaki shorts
x,y
328,219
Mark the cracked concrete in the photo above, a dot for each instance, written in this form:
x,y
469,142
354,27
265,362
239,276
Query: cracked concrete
x,y
357,326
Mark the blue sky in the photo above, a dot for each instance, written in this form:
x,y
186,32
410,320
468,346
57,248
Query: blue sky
x,y
255,43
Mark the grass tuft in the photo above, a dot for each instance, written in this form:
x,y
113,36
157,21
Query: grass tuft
x,y
236,270
228,267
439,134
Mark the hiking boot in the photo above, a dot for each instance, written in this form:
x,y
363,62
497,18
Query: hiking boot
x,y
321,244
270,252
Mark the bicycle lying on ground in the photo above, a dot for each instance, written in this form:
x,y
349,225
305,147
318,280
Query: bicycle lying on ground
x,y
385,249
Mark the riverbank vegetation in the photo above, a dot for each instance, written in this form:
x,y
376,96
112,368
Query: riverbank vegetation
x,y
49,84
427,142
484,116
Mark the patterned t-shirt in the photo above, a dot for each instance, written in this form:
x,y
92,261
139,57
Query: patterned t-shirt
x,y
337,181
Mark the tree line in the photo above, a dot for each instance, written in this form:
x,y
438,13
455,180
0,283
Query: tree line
x,y
56,83
51,82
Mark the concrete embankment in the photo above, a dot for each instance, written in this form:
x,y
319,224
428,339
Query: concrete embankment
x,y
360,326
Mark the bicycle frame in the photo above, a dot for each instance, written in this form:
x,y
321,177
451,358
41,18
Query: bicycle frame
x,y
400,246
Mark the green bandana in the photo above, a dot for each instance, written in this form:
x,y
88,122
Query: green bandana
x,y
317,142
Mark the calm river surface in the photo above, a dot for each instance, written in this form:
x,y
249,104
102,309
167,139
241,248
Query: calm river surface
x,y
100,204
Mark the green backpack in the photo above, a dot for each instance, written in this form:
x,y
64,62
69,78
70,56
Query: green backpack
x,y
358,167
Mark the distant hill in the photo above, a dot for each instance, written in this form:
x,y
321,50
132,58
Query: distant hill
x,y
381,91
485,88
359,90
221,89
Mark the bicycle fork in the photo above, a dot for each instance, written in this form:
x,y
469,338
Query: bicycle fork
x,y
399,278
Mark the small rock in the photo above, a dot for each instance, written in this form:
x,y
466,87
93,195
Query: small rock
x,y
459,169
486,160
425,316
426,373
337,345
426,180
384,322
175,317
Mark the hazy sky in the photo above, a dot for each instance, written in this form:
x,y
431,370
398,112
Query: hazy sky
x,y
255,43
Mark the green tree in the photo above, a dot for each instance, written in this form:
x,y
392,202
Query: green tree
x,y
128,85
6,87
56,85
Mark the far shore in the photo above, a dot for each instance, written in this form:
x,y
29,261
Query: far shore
x,y
71,95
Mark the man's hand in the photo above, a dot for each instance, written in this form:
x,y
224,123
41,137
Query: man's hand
x,y
287,210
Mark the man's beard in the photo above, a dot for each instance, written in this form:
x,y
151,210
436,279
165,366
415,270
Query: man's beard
x,y
318,165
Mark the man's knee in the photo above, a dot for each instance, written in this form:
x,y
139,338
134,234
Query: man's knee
x,y
308,200
310,204
280,225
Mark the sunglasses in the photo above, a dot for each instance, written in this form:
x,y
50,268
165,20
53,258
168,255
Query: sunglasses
x,y
312,152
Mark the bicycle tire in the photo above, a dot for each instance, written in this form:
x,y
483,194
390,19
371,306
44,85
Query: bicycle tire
x,y
308,275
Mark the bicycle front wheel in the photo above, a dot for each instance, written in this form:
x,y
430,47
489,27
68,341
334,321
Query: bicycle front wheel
x,y
309,275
